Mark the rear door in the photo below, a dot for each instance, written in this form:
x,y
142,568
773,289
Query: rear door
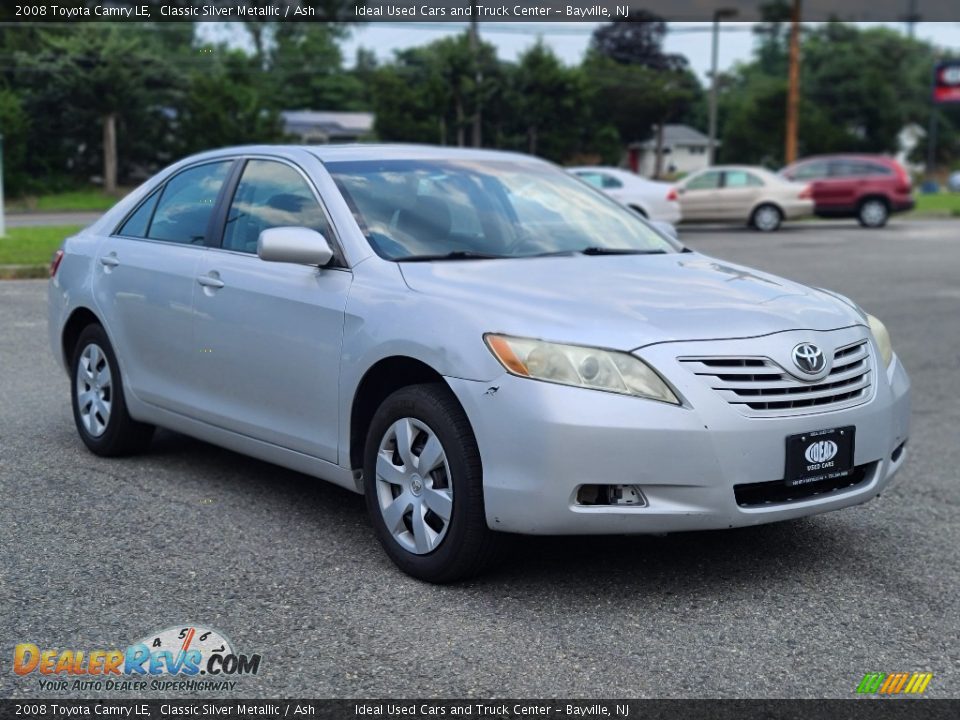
x,y
701,197
741,192
145,281
269,334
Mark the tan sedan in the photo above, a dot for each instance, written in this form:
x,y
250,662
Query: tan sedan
x,y
740,193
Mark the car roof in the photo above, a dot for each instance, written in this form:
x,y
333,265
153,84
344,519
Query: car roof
x,y
849,156
371,151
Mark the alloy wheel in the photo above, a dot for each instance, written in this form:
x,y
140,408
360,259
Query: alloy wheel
x,y
873,213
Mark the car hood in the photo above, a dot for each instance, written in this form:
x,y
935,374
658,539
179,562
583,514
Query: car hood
x,y
626,301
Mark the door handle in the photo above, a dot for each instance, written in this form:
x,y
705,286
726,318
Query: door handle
x,y
109,261
210,281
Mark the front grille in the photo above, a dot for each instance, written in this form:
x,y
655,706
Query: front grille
x,y
777,492
759,387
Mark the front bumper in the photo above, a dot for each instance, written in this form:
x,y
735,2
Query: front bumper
x,y
539,442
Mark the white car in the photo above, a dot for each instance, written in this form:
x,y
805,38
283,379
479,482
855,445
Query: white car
x,y
654,200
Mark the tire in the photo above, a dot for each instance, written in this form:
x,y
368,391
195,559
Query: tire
x,y
432,549
873,213
99,407
638,209
766,218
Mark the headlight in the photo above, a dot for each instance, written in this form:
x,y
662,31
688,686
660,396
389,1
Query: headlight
x,y
882,336
579,366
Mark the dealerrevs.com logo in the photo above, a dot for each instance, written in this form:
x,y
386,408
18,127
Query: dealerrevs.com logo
x,y
189,657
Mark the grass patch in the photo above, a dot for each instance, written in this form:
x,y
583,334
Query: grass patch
x,y
940,204
33,245
88,200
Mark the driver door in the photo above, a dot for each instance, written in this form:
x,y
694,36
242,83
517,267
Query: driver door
x,y
269,334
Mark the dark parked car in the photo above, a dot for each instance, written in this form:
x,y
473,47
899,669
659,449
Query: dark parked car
x,y
867,187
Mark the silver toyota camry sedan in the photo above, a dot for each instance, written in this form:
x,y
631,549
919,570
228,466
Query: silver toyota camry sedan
x,y
476,341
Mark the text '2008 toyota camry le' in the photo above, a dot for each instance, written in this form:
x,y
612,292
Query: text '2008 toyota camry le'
x,y
478,342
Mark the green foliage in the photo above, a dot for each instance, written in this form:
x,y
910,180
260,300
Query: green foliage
x,y
858,87
86,200
69,82
224,104
33,245
14,124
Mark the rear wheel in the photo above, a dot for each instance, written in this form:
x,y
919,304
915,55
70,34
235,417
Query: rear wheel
x,y
767,218
99,407
424,486
873,213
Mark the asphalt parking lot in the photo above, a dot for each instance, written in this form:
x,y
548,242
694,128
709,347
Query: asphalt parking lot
x,y
98,553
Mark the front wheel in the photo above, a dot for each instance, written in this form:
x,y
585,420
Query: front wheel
x,y
873,213
767,218
424,486
99,406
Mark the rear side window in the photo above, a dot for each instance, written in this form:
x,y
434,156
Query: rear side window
x,y
137,224
740,178
708,181
858,168
186,204
270,194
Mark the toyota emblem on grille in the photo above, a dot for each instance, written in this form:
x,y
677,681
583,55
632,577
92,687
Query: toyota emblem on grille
x,y
809,358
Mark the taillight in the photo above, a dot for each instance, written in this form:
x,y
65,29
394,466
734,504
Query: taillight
x,y
903,176
806,193
55,262
672,195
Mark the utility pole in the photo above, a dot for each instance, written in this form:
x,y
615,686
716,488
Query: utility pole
x,y
478,75
718,15
912,17
793,91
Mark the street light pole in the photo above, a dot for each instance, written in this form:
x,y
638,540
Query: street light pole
x,y
718,14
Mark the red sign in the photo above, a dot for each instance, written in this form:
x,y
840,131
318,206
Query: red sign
x,y
946,82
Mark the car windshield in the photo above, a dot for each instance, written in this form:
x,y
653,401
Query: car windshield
x,y
465,209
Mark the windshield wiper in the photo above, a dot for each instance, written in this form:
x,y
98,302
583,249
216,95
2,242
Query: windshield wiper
x,y
452,255
596,250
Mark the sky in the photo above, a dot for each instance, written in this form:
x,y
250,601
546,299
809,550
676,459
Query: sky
x,y
569,40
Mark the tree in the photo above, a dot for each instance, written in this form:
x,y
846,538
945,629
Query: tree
x,y
636,41
224,105
304,70
859,88
639,87
98,76
549,103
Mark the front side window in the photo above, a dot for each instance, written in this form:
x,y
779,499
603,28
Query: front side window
x,y
410,208
186,204
270,194
811,171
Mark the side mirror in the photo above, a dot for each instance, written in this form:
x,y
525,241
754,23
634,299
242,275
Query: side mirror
x,y
666,228
294,245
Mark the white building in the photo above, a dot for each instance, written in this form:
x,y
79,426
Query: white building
x,y
684,152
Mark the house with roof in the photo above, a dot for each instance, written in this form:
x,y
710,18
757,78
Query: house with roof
x,y
320,127
684,152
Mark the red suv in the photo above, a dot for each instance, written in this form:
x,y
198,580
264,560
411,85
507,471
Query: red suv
x,y
867,187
